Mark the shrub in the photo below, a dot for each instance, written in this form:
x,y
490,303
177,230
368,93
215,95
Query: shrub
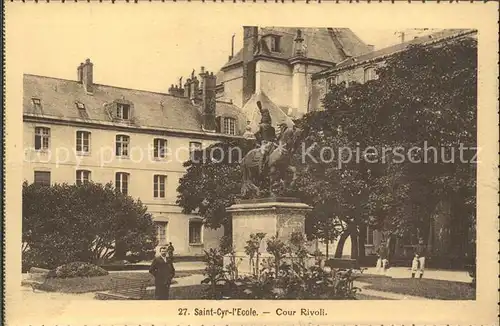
x,y
65,223
281,279
214,272
78,269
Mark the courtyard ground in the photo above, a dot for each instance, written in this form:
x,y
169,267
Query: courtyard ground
x,y
397,285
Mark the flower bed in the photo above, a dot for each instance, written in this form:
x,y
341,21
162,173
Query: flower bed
x,y
285,276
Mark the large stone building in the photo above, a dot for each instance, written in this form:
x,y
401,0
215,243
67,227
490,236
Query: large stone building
x,y
362,68
77,130
277,64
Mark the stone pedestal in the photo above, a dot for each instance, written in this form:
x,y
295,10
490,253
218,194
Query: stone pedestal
x,y
272,216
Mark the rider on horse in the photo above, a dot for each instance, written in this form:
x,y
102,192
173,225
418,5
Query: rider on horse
x,y
266,136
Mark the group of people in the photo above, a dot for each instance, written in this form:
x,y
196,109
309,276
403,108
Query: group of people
x,y
417,265
162,268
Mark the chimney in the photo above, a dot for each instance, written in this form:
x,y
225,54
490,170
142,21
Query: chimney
x,y
176,91
250,39
80,73
187,88
208,101
298,44
88,76
232,47
193,93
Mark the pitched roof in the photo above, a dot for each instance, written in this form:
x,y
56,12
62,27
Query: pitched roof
x,y
330,45
152,110
237,58
252,112
379,54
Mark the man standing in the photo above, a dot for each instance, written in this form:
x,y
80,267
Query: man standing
x,y
382,258
162,268
418,263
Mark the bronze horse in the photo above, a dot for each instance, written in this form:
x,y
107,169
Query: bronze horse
x,y
278,172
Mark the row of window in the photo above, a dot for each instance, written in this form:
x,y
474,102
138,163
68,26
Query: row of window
x,y
195,230
122,180
369,74
123,113
122,109
122,143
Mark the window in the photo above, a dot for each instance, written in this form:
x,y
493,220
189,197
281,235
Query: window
x,y
121,182
195,232
42,178
160,148
230,126
159,186
122,143
81,110
333,80
194,145
369,74
37,104
369,236
274,43
83,141
42,138
82,176
122,111
161,233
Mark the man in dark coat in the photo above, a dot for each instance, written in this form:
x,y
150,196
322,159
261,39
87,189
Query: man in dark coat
x,y
162,268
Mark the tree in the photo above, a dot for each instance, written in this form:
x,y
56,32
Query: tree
x,y
64,223
423,96
212,182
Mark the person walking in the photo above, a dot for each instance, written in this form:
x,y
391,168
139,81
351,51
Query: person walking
x,y
418,264
382,260
162,268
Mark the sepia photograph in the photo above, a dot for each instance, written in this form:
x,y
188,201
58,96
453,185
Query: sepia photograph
x,y
246,161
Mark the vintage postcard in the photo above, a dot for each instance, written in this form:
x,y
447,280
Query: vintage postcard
x,y
190,163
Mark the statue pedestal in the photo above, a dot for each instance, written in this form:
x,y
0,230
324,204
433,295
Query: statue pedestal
x,y
272,216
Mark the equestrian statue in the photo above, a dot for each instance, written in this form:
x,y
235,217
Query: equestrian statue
x,y
269,164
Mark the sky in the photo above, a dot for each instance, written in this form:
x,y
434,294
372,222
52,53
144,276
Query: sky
x,y
149,54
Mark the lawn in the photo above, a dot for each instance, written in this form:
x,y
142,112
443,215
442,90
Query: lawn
x,y
101,283
427,288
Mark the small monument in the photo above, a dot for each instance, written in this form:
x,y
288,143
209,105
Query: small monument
x,y
267,175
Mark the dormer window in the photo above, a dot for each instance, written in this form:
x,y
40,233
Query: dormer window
x,y
37,103
333,80
274,43
123,111
81,110
369,74
229,126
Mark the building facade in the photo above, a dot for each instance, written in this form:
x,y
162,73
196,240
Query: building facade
x,y
280,62
76,130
